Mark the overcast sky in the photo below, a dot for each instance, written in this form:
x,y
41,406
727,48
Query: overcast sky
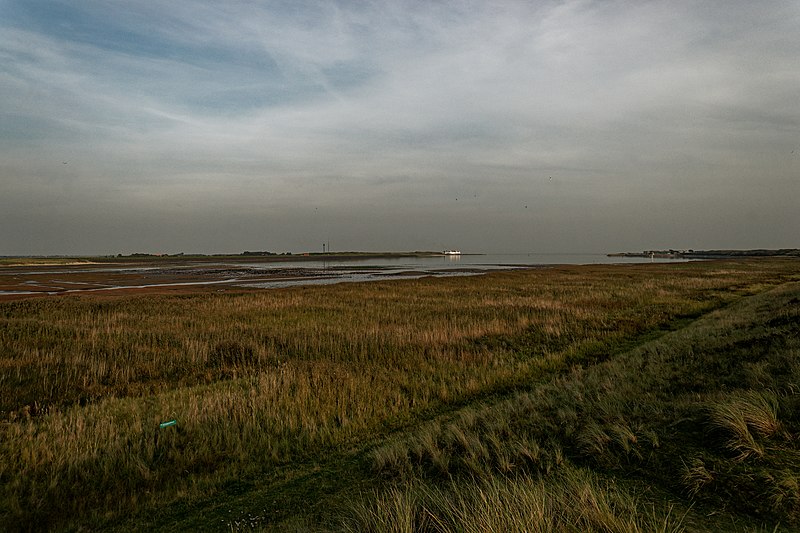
x,y
537,126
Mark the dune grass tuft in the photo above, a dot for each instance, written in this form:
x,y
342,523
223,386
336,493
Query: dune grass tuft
x,y
574,500
745,417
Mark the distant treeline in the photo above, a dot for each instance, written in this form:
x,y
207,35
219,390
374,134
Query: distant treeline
x,y
182,254
263,253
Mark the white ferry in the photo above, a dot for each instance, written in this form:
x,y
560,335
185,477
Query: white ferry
x,y
452,252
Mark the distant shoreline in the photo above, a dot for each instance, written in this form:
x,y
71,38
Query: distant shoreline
x,y
260,257
710,254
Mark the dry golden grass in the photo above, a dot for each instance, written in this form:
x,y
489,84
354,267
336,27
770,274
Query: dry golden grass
x,y
259,380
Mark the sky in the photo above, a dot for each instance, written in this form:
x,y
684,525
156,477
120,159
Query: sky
x,y
495,127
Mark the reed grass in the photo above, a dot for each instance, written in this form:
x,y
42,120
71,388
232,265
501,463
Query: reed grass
x,y
260,381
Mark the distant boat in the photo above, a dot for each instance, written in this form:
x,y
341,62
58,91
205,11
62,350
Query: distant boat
x,y
452,252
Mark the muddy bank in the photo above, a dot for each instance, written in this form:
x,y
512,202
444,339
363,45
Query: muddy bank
x,y
31,282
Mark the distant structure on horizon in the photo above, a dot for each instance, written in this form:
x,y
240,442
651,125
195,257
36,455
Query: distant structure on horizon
x,y
710,254
451,252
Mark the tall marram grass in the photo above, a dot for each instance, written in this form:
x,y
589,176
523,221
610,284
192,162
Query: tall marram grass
x,y
575,500
743,416
257,381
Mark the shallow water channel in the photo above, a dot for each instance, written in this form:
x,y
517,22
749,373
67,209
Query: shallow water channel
x,y
321,270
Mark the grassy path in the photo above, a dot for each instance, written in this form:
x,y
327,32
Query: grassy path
x,y
705,420
313,488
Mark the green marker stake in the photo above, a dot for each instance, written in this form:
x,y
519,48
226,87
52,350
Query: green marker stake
x,y
163,425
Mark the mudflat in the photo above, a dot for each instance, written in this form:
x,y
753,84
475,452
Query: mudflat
x,y
40,277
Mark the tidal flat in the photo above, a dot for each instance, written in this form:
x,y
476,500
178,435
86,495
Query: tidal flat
x,y
619,397
25,278
143,273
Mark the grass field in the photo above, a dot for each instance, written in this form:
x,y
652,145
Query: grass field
x,y
614,398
